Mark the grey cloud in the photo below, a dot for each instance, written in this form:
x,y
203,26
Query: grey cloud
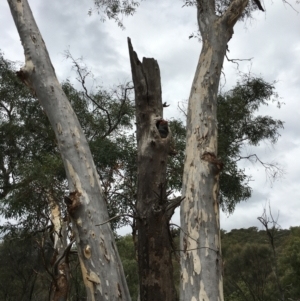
x,y
160,29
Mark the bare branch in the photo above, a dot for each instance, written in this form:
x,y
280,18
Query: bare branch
x,y
271,233
83,73
217,251
172,205
235,61
184,232
65,254
41,248
182,107
290,5
257,2
111,219
273,171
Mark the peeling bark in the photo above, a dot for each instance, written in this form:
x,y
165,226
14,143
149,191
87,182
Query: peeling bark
x,y
61,277
100,263
153,207
201,261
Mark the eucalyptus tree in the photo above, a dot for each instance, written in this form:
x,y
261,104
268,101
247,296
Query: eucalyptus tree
x,y
85,203
200,242
201,260
32,177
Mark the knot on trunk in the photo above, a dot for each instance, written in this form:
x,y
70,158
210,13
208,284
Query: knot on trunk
x,y
73,202
211,158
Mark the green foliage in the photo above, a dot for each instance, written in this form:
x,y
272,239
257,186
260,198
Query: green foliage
x,y
222,5
31,168
238,126
289,264
247,259
19,271
29,162
248,271
248,262
175,162
115,9
129,261
25,269
250,265
119,180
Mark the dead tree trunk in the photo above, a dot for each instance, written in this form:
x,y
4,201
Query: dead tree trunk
x,y
153,207
100,263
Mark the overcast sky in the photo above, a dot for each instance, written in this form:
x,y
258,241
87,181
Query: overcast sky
x,y
160,29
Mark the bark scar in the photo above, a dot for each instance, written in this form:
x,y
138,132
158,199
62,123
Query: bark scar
x,y
73,202
119,291
24,78
211,158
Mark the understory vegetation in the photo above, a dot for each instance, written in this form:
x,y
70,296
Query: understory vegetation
x,y
248,261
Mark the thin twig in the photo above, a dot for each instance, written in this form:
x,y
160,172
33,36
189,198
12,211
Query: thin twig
x,y
119,215
272,170
184,232
179,250
234,61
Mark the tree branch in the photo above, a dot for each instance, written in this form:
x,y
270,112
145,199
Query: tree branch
x,y
265,221
234,61
233,12
111,219
83,74
172,205
65,254
257,2
273,171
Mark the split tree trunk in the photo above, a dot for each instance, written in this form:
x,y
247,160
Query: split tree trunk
x,y
61,275
100,263
201,260
154,210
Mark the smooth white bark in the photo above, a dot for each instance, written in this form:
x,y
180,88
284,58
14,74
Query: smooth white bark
x,y
101,267
201,260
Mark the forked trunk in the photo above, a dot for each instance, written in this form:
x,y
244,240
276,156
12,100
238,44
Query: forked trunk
x,y
60,262
201,260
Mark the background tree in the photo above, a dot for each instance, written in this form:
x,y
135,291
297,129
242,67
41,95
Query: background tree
x,y
245,252
289,265
30,158
240,271
248,272
127,252
239,126
19,270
